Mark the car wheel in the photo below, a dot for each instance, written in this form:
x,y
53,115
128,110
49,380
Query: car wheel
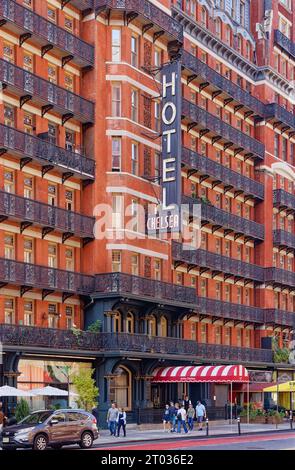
x,y
40,442
86,440
56,446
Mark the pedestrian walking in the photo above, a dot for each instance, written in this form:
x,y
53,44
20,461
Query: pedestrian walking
x,y
166,419
181,419
201,414
121,421
112,419
172,416
190,417
186,402
2,418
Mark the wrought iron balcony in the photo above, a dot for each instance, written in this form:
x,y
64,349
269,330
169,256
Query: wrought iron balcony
x,y
82,5
217,263
279,276
41,277
283,199
30,212
208,124
114,284
280,117
225,220
284,42
154,19
230,178
99,343
238,313
284,239
278,317
28,147
29,25
30,87
219,85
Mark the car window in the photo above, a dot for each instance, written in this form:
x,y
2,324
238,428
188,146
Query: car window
x,y
60,417
73,417
36,418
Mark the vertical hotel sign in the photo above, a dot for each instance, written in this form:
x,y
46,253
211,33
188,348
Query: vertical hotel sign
x,y
168,217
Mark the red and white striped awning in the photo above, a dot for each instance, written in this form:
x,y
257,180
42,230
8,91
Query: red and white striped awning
x,y
218,374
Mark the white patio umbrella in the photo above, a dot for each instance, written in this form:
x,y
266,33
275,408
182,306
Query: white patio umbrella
x,y
7,391
51,392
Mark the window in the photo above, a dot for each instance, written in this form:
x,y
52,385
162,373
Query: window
x,y
203,287
129,323
28,250
157,116
134,264
218,290
179,278
116,154
218,27
52,194
152,325
218,332
239,253
157,166
157,62
70,140
228,35
227,293
248,50
9,181
147,267
28,187
284,26
28,3
163,326
227,336
284,149
134,158
69,82
247,338
117,211
203,333
69,199
134,51
242,12
53,316
70,260
134,105
9,311
52,133
9,246
239,337
9,115
116,99
8,52
135,214
158,269
116,261
52,255
69,317
116,45
276,145
204,17
69,23
28,312
120,387
29,123
218,246
52,73
28,62
51,14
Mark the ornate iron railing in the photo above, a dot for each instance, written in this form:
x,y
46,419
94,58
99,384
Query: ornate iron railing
x,y
229,311
26,336
279,276
28,146
46,32
197,67
279,317
37,88
207,166
34,212
281,237
121,283
283,199
150,12
225,131
81,5
226,220
217,262
284,42
42,277
274,110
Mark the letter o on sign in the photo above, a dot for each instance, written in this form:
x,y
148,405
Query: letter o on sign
x,y
169,121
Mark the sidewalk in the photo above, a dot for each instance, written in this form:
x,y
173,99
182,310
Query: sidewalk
x,y
214,430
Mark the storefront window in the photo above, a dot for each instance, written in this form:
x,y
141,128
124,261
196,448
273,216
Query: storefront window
x,y
120,387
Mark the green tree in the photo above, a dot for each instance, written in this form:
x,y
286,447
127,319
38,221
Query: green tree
x,y
95,327
86,389
22,409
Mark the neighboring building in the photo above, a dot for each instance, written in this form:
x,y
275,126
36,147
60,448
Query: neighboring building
x,y
80,126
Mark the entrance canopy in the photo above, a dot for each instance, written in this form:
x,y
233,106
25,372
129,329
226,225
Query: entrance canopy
x,y
217,374
285,387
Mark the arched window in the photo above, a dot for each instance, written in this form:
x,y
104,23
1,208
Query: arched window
x,y
120,387
218,27
248,50
163,326
204,17
117,322
152,326
129,323
240,44
228,34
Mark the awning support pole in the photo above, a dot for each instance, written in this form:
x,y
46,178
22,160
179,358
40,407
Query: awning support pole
x,y
248,401
231,403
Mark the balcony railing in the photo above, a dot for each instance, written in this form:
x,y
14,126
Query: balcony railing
x,y
49,35
42,277
280,114
279,317
217,262
152,15
29,211
226,220
283,199
27,146
229,311
283,238
199,68
284,42
45,93
207,166
224,131
279,276
126,284
36,337
82,5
